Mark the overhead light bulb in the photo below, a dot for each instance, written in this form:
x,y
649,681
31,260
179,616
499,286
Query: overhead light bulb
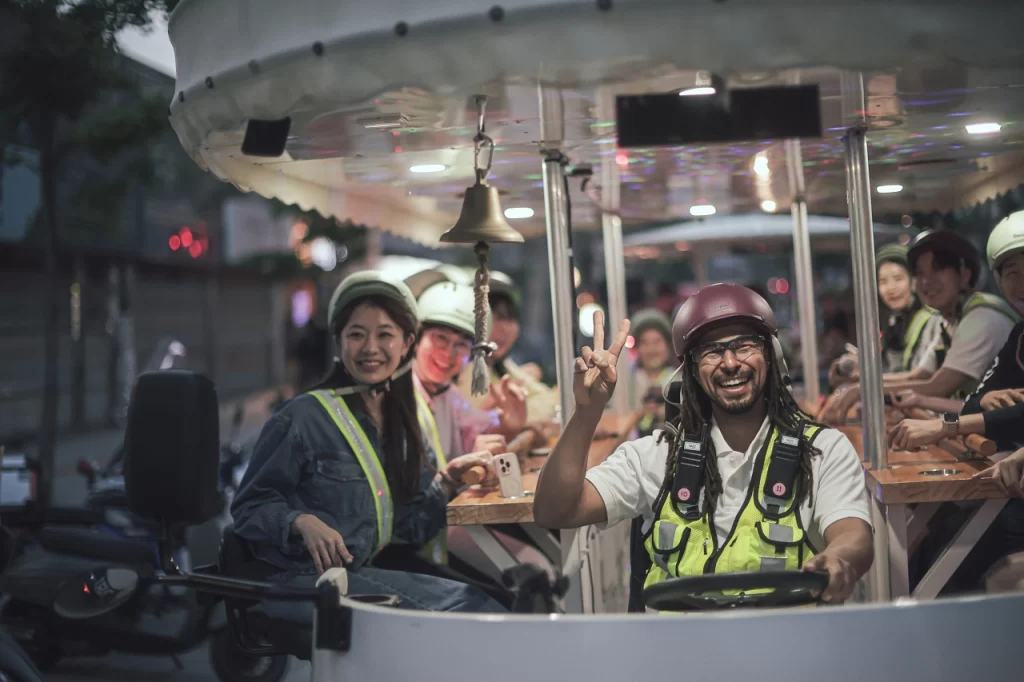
x,y
428,168
889,189
768,206
697,92
761,165
702,210
983,128
518,212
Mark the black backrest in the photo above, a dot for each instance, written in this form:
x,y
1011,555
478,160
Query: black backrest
x,y
172,448
639,564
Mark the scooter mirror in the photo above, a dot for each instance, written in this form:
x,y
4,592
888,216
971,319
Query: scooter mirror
x,y
95,593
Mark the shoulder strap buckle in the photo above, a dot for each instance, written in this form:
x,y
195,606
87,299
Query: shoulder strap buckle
x,y
783,468
691,449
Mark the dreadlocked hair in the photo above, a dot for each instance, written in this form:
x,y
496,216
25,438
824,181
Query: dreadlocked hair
x,y
695,410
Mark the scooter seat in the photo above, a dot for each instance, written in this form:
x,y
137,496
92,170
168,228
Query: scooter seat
x,y
92,544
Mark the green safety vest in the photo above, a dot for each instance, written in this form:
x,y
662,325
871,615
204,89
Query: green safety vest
x,y
912,337
983,300
437,549
760,539
646,421
368,460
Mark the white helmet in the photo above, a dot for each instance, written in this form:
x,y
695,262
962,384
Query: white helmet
x,y
1005,240
450,304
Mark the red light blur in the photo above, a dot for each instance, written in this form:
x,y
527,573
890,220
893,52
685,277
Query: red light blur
x,y
622,159
174,242
195,250
782,286
186,237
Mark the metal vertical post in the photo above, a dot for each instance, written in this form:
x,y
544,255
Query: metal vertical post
x,y
614,258
865,287
574,557
804,273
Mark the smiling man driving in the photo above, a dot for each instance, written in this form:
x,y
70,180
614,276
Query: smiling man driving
x,y
747,483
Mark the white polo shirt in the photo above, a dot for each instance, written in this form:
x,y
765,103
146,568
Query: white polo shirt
x,y
974,343
631,478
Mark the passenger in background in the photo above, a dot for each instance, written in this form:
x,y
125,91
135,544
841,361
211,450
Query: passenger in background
x,y
442,351
541,400
652,337
946,267
909,328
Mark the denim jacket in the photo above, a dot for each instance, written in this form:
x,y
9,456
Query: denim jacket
x,y
302,464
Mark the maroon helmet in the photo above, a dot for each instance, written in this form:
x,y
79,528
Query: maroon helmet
x,y
716,305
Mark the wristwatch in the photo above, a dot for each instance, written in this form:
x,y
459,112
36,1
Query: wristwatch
x,y
950,425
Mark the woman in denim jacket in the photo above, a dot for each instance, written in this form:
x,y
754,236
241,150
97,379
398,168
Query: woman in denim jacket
x,y
342,471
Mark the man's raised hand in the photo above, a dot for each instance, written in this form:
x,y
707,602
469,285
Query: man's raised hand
x,y
594,374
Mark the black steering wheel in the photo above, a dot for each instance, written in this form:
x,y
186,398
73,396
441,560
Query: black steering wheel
x,y
709,592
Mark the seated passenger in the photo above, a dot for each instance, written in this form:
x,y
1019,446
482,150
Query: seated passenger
x,y
732,385
342,471
541,400
652,332
946,268
441,352
908,326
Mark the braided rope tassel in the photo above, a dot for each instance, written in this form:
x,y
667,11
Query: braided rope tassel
x,y
481,308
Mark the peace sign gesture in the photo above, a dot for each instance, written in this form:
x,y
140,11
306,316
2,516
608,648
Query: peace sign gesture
x,y
594,374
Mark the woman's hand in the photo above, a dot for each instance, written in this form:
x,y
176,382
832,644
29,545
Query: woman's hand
x,y
838,405
509,399
595,373
452,477
915,433
324,544
993,400
1009,474
532,370
493,443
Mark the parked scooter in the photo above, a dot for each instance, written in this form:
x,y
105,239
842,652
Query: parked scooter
x,y
15,664
159,619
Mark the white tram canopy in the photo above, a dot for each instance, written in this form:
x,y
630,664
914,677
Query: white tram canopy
x,y
380,115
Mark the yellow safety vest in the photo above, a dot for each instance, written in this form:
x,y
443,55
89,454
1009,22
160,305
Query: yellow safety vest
x,y
912,336
983,300
767,534
368,460
437,549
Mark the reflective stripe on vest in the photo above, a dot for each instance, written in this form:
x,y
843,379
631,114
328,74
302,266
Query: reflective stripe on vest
x,y
437,549
913,334
758,540
368,460
983,300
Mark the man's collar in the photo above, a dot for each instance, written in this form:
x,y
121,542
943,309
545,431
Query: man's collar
x,y
722,446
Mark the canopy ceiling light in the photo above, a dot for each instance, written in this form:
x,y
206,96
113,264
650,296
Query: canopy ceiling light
x,y
480,222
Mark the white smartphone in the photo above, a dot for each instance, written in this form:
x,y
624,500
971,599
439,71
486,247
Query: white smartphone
x,y
510,479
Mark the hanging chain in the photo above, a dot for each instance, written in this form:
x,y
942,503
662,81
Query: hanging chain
x,y
482,140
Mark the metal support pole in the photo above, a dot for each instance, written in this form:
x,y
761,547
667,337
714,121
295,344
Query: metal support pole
x,y
561,276
865,296
865,288
804,273
562,307
614,258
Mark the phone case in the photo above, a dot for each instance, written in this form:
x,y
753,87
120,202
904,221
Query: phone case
x,y
510,479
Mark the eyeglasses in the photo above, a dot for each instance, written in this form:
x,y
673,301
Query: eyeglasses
x,y
447,344
743,347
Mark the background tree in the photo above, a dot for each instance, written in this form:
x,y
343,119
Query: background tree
x,y
58,58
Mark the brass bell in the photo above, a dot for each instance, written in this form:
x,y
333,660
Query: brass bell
x,y
482,219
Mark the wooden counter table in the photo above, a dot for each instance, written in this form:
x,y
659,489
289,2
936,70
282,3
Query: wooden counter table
x,y
476,507
911,489
476,510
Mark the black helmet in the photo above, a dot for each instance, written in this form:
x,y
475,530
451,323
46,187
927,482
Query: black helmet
x,y
950,242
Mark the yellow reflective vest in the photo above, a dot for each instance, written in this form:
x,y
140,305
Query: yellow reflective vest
x,y
368,460
437,549
767,534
